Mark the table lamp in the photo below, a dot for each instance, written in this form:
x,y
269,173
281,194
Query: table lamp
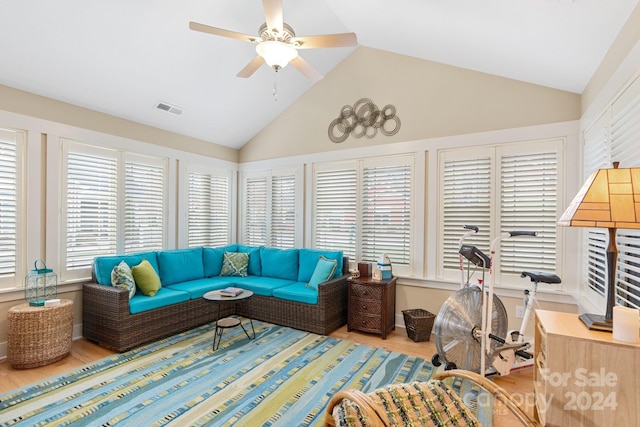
x,y
610,198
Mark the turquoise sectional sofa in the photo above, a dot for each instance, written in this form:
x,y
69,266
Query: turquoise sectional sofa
x,y
279,279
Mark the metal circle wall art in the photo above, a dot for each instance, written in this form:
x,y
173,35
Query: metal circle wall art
x,y
364,118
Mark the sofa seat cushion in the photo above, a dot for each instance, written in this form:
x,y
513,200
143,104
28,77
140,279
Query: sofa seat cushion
x,y
197,288
309,259
180,265
298,292
103,265
164,297
260,285
280,263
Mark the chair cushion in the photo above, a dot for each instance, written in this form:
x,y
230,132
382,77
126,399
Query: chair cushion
x,y
429,403
146,278
309,260
103,265
212,261
298,292
280,263
122,277
324,271
235,264
255,267
260,285
180,265
197,288
164,297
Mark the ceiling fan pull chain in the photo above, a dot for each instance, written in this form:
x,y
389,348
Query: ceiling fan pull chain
x,y
275,86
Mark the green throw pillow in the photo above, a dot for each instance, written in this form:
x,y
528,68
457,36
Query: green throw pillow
x,y
146,278
323,272
122,277
235,264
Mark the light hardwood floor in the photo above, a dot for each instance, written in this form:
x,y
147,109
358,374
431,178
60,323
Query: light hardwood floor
x,y
82,352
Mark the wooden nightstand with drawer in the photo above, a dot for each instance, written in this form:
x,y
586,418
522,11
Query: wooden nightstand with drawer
x,y
372,305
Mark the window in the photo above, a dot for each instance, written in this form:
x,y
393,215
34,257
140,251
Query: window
x,y
501,189
114,202
270,208
365,209
209,213
11,212
614,137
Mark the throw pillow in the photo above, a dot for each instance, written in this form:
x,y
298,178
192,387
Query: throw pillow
x,y
122,277
324,271
146,278
235,264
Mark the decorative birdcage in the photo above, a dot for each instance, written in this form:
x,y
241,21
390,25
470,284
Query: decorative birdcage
x,y
40,284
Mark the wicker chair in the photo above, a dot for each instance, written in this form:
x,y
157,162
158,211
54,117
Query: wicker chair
x,y
451,398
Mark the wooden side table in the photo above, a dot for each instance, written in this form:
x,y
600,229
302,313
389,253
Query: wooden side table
x,y
372,305
38,336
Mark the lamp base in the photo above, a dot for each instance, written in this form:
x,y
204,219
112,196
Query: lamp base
x,y
597,322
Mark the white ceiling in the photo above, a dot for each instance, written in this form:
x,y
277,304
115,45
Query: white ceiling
x,y
121,57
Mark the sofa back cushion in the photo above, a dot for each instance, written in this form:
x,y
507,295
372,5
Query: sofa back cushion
x,y
309,259
212,259
180,265
255,264
103,265
279,263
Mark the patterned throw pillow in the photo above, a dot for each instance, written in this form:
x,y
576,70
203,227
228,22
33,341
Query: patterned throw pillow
x,y
235,264
122,277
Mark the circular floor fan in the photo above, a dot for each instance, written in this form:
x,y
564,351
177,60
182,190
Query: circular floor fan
x,y
454,328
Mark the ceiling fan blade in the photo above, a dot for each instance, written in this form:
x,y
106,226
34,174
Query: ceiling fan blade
x,y
328,40
251,67
305,68
273,14
220,32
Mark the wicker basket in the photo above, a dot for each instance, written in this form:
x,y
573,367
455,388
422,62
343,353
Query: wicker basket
x,y
419,323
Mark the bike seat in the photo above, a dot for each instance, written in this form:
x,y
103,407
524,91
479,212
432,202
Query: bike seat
x,y
541,277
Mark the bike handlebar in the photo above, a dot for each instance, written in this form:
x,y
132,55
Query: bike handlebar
x,y
522,233
471,227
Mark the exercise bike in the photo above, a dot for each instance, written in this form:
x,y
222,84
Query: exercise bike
x,y
471,327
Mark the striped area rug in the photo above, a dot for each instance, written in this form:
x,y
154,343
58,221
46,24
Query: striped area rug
x,y
284,377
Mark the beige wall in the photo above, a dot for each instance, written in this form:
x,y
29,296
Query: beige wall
x,y
28,104
431,99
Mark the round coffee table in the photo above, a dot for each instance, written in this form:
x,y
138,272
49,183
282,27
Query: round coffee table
x,y
228,322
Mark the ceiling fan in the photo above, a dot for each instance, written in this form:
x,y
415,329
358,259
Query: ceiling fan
x,y
277,44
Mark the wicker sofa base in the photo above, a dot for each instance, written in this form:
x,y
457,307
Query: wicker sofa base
x,y
106,318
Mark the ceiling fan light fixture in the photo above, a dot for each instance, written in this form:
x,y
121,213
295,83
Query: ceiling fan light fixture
x,y
276,54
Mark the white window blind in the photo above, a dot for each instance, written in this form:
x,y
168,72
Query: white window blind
x,y
283,211
144,205
335,210
365,208
209,213
529,203
91,214
11,192
269,208
614,137
386,213
466,200
255,211
511,187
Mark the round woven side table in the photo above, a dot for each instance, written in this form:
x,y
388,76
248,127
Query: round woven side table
x,y
38,336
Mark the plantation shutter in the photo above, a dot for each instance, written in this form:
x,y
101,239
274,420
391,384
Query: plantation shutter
x,y
10,189
255,211
466,200
386,213
91,205
335,218
625,148
209,219
528,203
144,206
283,211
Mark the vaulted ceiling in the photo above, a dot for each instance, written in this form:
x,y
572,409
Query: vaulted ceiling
x,y
123,57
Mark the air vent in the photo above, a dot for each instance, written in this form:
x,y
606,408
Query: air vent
x,y
169,108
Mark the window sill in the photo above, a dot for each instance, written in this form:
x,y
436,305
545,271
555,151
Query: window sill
x,y
17,294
